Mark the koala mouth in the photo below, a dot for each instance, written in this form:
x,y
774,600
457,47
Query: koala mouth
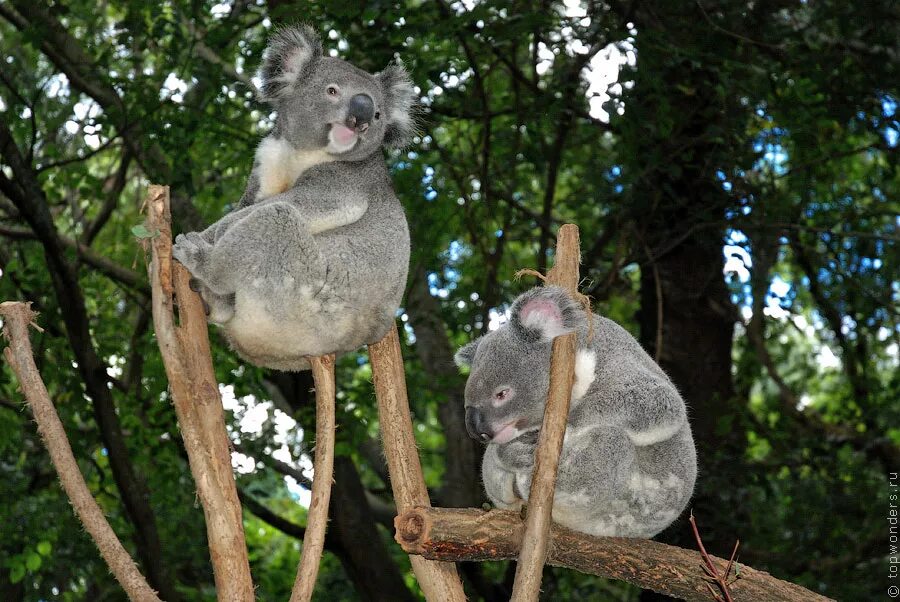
x,y
506,432
341,138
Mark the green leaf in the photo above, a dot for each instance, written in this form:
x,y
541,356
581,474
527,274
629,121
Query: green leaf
x,y
141,231
33,562
16,573
44,548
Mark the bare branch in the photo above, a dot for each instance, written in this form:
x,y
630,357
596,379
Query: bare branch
x,y
535,543
17,317
438,580
476,535
314,539
186,356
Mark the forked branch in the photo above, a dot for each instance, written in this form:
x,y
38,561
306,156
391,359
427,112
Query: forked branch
x,y
195,394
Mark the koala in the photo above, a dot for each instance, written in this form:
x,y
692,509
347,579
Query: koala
x,y
314,258
628,462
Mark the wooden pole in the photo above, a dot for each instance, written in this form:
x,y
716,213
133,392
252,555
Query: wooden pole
x,y
323,468
438,580
533,555
468,534
195,395
19,355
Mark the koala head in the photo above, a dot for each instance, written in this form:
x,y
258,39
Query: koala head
x,y
510,367
325,103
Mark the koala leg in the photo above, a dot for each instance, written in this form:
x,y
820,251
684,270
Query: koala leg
x,y
269,249
599,460
219,308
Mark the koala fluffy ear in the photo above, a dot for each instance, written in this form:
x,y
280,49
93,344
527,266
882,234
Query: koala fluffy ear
x,y
466,354
545,312
400,96
291,54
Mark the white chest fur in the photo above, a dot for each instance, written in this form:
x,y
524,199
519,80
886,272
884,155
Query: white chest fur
x,y
279,165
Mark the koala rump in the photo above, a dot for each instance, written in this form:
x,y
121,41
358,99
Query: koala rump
x,y
314,258
628,462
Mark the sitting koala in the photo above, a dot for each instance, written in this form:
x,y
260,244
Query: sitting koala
x,y
628,462
314,260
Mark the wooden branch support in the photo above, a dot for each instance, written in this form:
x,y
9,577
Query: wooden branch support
x,y
323,468
438,580
469,534
19,355
195,394
535,542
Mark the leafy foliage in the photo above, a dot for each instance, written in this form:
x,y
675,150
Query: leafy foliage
x,y
755,138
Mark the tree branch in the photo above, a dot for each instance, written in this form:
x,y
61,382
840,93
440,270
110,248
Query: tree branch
x,y
535,543
187,360
103,264
17,317
468,534
438,580
317,519
28,196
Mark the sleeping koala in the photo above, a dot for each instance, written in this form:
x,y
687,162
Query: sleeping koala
x,y
314,259
628,462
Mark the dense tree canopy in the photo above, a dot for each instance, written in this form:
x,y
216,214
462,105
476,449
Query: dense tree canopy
x,y
732,166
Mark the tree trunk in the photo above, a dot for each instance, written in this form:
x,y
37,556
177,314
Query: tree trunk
x,y
362,549
677,209
462,476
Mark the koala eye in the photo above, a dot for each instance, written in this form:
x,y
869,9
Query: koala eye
x,y
377,114
502,394
331,90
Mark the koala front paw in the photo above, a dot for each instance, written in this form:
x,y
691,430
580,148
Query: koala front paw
x,y
518,454
190,249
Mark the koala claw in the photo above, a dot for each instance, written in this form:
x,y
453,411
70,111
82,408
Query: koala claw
x,y
195,285
190,249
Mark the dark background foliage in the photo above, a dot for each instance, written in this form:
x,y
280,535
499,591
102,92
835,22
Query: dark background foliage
x,y
735,180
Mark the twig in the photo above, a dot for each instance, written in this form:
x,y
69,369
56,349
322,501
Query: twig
x,y
710,567
438,580
323,468
535,541
188,363
17,317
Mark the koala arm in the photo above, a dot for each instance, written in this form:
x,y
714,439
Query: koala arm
x,y
324,207
499,480
518,454
252,190
650,411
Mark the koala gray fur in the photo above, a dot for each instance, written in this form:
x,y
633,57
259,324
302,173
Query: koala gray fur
x,y
314,259
628,462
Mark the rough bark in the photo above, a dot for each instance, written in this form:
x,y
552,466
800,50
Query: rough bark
x,y
438,580
188,363
28,196
317,518
17,317
527,585
469,534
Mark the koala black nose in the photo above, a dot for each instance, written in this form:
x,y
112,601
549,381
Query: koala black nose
x,y
477,425
360,112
